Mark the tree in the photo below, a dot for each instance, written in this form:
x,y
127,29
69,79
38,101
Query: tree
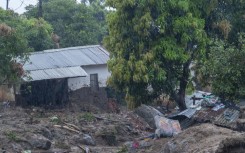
x,y
224,68
152,44
37,31
75,24
224,18
13,45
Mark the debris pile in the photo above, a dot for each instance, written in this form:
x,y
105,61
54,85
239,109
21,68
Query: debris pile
x,y
206,138
145,129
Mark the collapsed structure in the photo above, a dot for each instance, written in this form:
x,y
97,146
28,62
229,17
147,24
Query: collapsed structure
x,y
205,107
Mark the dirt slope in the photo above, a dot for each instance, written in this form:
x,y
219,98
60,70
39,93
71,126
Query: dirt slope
x,y
206,138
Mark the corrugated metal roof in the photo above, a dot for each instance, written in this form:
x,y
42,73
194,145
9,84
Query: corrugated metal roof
x,y
56,73
223,117
67,57
227,118
188,112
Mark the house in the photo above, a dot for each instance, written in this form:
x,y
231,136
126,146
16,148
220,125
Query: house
x,y
51,74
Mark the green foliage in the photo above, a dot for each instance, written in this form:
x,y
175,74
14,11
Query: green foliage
x,y
13,45
224,68
88,117
76,24
150,42
225,19
11,136
55,120
38,32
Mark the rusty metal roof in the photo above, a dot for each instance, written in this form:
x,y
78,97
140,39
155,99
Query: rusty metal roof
x,y
67,57
225,117
56,73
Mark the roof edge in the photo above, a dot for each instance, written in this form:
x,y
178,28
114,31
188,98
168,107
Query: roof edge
x,y
64,49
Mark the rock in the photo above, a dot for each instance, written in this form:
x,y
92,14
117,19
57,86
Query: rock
x,y
17,147
38,141
88,140
108,133
148,113
46,133
83,139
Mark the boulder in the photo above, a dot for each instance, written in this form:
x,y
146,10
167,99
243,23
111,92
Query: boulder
x,y
38,141
83,139
148,113
46,133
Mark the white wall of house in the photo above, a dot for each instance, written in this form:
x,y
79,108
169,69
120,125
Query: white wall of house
x,y
79,82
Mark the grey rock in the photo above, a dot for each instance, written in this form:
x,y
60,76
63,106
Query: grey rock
x,y
148,113
38,141
46,133
83,139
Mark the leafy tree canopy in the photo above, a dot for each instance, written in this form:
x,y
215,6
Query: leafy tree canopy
x,y
224,68
152,44
13,45
75,24
36,31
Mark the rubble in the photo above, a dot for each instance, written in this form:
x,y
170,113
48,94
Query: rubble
x,y
28,129
143,130
206,138
166,127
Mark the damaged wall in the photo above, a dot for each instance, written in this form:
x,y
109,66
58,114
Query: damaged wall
x,y
43,93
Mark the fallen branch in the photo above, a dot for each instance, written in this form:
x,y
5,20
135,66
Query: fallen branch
x,y
67,128
73,126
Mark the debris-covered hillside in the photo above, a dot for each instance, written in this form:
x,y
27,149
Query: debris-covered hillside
x,y
34,129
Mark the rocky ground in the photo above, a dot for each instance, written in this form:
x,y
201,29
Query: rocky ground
x,y
61,130
37,130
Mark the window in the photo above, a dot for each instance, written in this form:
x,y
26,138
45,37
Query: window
x,y
94,83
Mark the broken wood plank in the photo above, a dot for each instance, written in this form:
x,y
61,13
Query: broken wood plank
x,y
86,149
67,128
73,126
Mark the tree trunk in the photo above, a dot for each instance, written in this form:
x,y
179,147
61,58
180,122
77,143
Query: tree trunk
x,y
40,9
7,5
183,85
